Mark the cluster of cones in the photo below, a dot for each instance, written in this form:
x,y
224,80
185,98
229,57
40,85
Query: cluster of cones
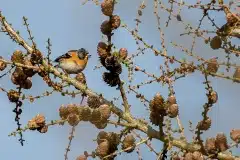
x,y
159,108
109,60
97,116
108,143
38,123
219,143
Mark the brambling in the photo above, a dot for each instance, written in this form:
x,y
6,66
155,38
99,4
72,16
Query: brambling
x,y
74,61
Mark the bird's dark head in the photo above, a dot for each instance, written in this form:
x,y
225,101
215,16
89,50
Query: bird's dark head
x,y
82,53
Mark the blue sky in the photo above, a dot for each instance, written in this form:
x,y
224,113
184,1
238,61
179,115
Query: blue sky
x,y
70,25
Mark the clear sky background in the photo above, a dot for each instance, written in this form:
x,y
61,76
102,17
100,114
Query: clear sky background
x,y
70,25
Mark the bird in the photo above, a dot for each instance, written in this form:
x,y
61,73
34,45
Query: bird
x,y
74,61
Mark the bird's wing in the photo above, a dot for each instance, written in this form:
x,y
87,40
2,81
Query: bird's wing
x,y
64,56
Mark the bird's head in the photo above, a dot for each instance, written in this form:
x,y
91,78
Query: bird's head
x,y
83,53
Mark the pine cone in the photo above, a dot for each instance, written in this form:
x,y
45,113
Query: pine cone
x,y
216,42
113,139
3,65
40,120
172,99
27,84
188,156
105,111
96,116
116,21
63,112
18,76
236,75
17,57
123,53
73,119
197,156
72,109
102,135
93,102
221,142
28,72
101,124
172,111
157,104
43,129
107,7
36,57
85,113
106,28
210,146
112,79
102,50
205,124
103,149
81,157
13,95
213,97
212,65
235,135
112,64
129,141
32,125
154,118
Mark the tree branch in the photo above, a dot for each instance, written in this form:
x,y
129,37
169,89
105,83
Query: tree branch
x,y
152,133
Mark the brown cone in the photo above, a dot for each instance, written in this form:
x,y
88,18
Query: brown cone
x,y
85,114
212,65
17,57
107,7
236,74
106,28
197,156
102,50
213,97
105,111
73,119
221,142
81,157
172,99
123,53
27,84
72,109
40,120
116,21
13,95
102,135
3,65
157,104
172,111
188,156
63,112
129,141
96,116
205,124
103,149
28,72
93,102
43,129
216,42
210,146
101,124
235,135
